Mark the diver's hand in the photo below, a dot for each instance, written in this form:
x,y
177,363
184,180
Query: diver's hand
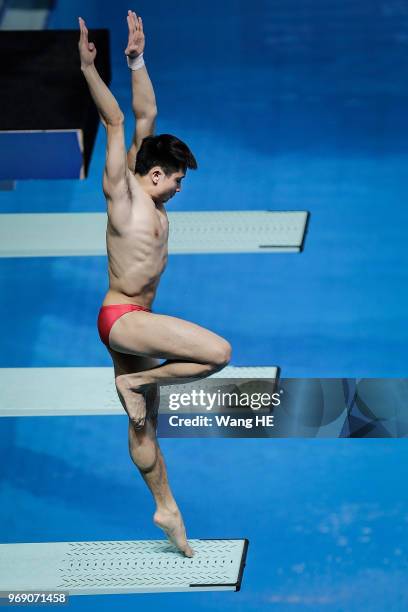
x,y
87,50
136,40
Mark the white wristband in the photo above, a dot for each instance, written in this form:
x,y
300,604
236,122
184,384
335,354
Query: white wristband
x,y
135,63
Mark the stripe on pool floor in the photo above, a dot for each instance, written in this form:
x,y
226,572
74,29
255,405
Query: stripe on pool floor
x,y
69,234
80,391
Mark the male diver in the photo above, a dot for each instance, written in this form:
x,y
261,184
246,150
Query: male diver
x,y
137,184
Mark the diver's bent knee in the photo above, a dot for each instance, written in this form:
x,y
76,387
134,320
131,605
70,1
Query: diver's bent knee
x,y
221,355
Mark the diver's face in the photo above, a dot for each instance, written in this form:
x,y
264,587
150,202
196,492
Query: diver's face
x,y
170,185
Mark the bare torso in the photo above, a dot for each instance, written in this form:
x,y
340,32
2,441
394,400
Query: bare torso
x,y
136,240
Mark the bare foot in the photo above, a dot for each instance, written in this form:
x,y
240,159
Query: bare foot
x,y
173,526
134,403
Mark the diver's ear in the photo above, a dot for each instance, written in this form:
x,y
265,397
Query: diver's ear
x,y
156,174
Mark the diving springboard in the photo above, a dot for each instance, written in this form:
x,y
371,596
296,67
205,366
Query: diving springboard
x,y
25,18
80,391
101,568
70,234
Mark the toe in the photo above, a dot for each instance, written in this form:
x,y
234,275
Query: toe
x,y
188,551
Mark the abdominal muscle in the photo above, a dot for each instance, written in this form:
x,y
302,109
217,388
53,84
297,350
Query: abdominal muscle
x,y
137,257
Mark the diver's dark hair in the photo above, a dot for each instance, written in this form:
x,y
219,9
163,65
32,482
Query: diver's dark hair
x,y
166,151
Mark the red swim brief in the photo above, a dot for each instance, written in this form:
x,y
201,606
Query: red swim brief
x,y
109,314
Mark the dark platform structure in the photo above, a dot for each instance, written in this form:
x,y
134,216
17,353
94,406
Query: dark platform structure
x,y
48,121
